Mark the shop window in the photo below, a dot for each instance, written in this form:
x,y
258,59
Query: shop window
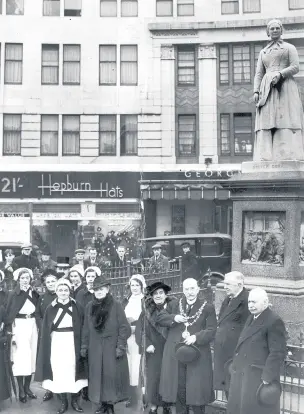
x,y
108,8
50,65
13,63
224,64
230,6
164,8
241,64
243,134
129,8
72,7
225,134
128,64
14,7
107,65
49,134
12,134
51,7
185,7
186,66
251,6
178,219
296,4
186,135
107,135
71,64
70,135
128,134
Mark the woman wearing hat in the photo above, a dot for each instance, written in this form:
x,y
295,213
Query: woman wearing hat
x,y
3,290
60,367
133,308
104,342
49,279
21,321
151,340
75,276
85,295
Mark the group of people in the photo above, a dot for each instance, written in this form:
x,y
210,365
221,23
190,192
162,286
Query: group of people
x,y
78,339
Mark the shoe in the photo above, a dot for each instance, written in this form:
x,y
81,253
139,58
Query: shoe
x,y
74,404
153,411
31,395
47,396
109,409
167,410
23,398
100,409
64,404
27,390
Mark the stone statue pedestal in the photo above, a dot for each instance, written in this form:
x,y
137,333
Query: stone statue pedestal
x,y
268,231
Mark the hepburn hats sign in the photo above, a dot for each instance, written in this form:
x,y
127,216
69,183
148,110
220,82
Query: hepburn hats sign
x,y
103,185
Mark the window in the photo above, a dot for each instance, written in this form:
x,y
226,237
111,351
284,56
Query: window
x,y
224,64
178,219
128,134
257,49
129,8
243,132
107,135
71,64
128,65
49,135
51,7
70,134
107,65
186,66
11,134
164,7
0,6
241,64
230,6
225,134
50,65
300,50
14,7
72,7
108,8
296,4
13,63
186,135
251,6
185,7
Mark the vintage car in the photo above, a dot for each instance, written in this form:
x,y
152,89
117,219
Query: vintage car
x,y
213,251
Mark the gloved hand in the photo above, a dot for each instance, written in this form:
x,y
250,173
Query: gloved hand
x,y
119,353
84,352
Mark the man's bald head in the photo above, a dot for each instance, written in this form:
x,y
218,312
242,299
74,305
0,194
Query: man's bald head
x,y
257,301
190,289
233,283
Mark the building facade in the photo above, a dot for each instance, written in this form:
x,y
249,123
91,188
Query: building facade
x,y
160,86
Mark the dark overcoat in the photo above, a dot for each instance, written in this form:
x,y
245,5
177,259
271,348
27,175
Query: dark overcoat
x,y
3,296
44,301
231,321
199,390
16,300
4,381
30,262
108,375
190,266
43,366
148,333
75,292
258,357
83,296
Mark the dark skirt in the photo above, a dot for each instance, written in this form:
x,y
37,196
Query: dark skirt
x,y
4,390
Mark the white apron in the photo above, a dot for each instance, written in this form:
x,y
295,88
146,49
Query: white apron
x,y
23,354
63,361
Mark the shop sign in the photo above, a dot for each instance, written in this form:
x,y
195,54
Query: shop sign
x,y
102,185
14,215
207,174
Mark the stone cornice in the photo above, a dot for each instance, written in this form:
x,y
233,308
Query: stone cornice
x,y
191,28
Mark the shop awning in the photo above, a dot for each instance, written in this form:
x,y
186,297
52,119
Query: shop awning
x,y
184,192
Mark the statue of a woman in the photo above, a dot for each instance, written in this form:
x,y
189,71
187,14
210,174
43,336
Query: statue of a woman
x,y
279,126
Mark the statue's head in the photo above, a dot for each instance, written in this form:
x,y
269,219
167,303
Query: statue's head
x,y
274,29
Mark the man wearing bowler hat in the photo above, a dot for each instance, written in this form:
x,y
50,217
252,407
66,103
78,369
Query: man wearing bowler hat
x,y
158,262
259,355
186,374
26,259
190,266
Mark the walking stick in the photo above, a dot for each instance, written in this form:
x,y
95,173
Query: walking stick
x,y
143,360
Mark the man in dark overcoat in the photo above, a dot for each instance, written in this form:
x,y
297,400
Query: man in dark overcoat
x,y
190,265
231,320
258,357
192,321
27,259
158,263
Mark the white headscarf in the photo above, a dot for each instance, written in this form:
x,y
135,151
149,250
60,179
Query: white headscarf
x,y
63,282
17,272
140,278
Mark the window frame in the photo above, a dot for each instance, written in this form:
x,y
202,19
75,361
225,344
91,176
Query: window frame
x,y
183,216
50,15
251,12
225,116
294,8
122,133
43,66
41,134
121,7
163,15
19,132
195,136
108,61
10,60
9,14
72,15
230,1
71,61
228,67
70,131
186,48
184,4
1,7
128,61
242,82
242,115
107,154
109,1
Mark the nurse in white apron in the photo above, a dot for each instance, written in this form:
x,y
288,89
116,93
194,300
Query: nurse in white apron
x,y
21,320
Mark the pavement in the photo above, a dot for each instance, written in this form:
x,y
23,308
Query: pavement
x,y
50,407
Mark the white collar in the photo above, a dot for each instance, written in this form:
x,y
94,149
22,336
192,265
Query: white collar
x,y
64,302
192,302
